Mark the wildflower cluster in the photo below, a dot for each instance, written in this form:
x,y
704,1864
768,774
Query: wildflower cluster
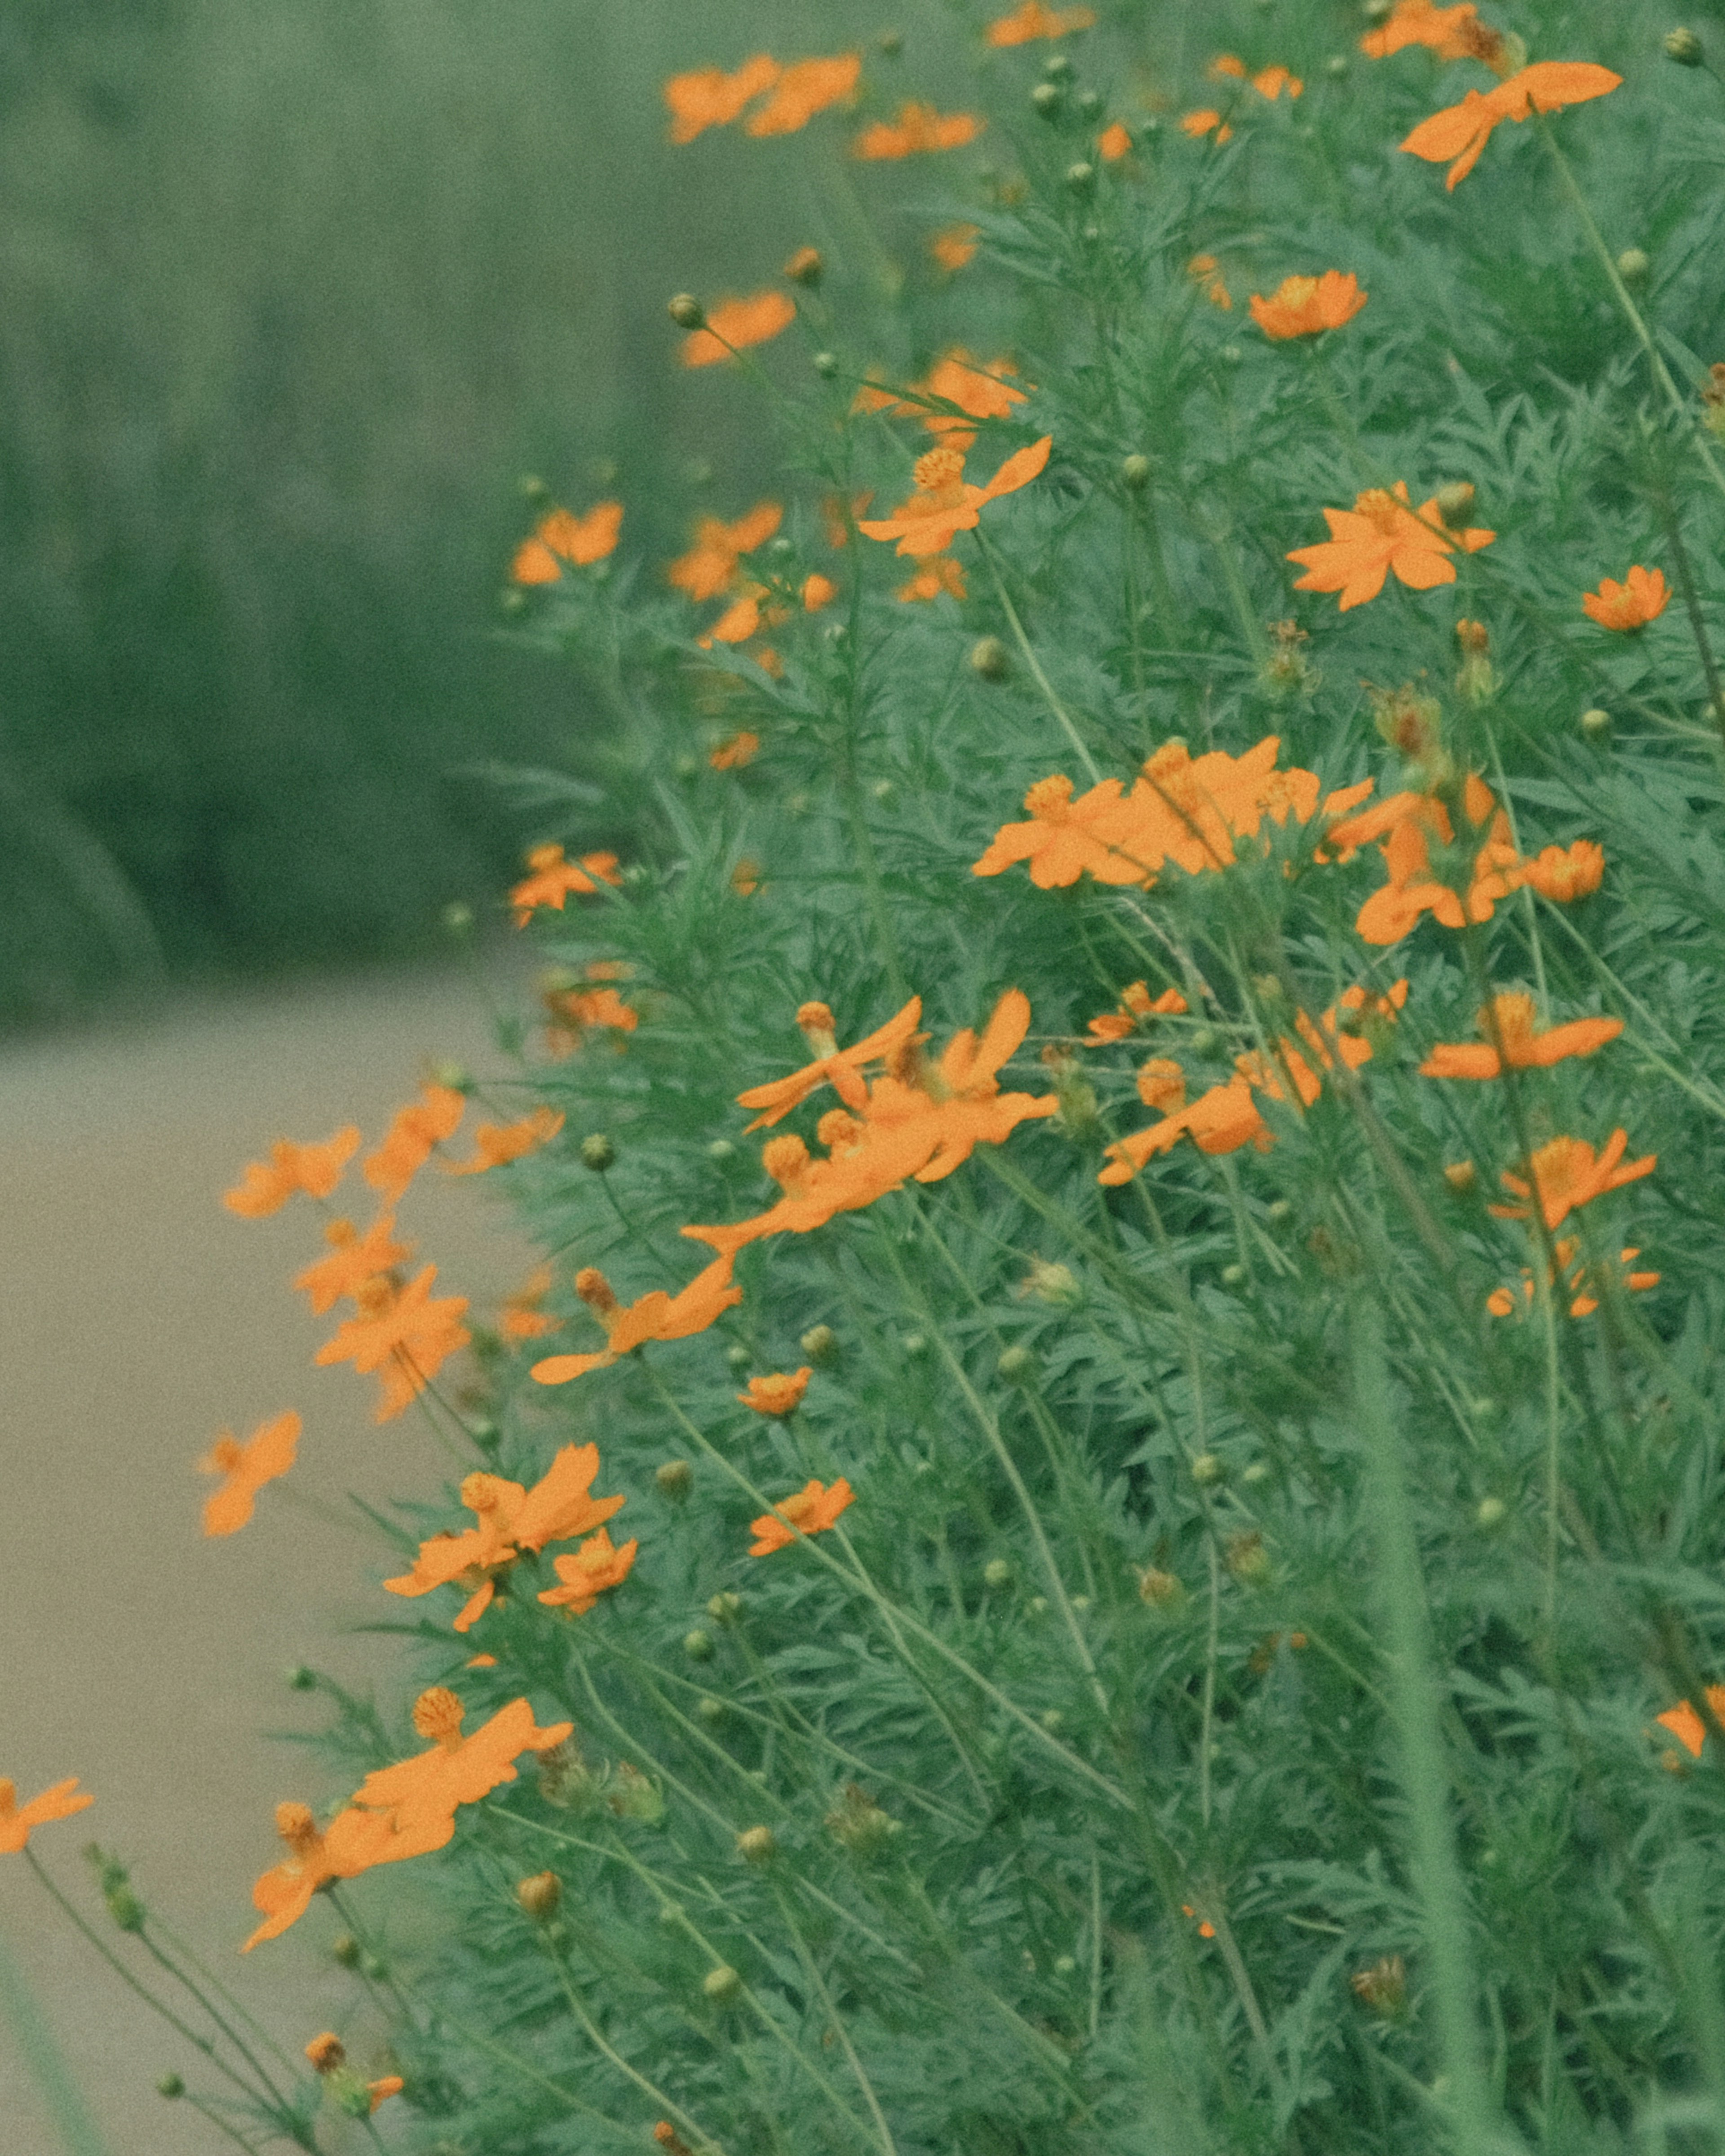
x,y
1128,1161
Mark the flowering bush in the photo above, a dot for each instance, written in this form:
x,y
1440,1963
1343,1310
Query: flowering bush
x,y
1062,1556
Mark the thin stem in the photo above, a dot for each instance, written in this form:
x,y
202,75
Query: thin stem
x,y
1207,1720
1033,662
1554,1452
837,2022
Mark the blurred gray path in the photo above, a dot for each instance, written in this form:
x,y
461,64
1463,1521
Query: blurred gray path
x,y
136,1318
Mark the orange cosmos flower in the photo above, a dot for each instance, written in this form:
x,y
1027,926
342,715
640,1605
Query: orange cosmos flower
x,y
519,1318
1202,270
938,577
588,1573
1306,307
708,97
1639,599
354,1842
1269,82
953,245
979,392
16,1820
1220,1120
1686,1726
497,1144
1510,1019
553,879
656,1315
561,537
945,504
780,1393
267,1454
736,751
1202,122
512,1519
353,1259
918,128
423,1793
711,563
1584,1302
1114,142
804,89
575,1012
840,1068
811,1511
1135,1004
266,1186
1414,889
1162,1083
408,1142
818,590
1564,874
1034,20
1461,131
1567,1174
734,325
1064,839
1452,33
401,1333
1380,533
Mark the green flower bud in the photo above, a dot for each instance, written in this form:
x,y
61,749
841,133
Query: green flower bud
x,y
989,659
685,311
1135,471
1596,725
1207,1470
825,365
757,1845
698,1646
722,1984
674,1479
170,2085
997,1572
1017,1366
1634,265
820,1344
1684,46
726,1607
1048,98
598,1152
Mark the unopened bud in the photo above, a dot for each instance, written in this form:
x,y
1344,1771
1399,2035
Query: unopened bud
x,y
1205,1041
1596,724
1460,1175
713,1711
598,1152
997,1572
1017,1367
825,365
458,918
375,1968
1207,1469
1160,1589
685,311
1047,97
1280,1211
820,1344
989,659
1230,355
891,43
1081,178
540,1895
698,1646
721,1983
674,1479
1135,471
1684,46
1246,1557
1057,68
1383,1986
1491,1513
805,267
125,1909
170,2085
299,1678
1633,266
726,1607
1455,502
915,1346
722,1150
1052,1720
346,1951
757,1845
1233,1275
1336,66
738,1358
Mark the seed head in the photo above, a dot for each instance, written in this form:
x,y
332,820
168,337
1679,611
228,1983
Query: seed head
x,y
1247,1559
1161,1590
1383,1986
685,311
860,1824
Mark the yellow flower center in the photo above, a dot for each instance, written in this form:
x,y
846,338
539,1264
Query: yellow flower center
x,y
1050,799
438,1716
938,470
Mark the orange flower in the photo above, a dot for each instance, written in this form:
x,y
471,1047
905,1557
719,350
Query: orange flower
x,y
1584,1302
1034,20
402,1334
408,1142
1452,33
708,97
745,876
1269,82
840,1068
1202,270
953,245
1511,1019
1567,1174
818,590
804,89
353,1259
1686,1726
266,1186
268,1453
711,563
511,1519
588,1573
497,1144
423,1793
1135,1004
811,1511
1461,131
1380,533
1063,838
937,575
979,392
354,1842
561,537
17,1820
1162,1083
734,325
918,128
1639,599
656,1315
1200,123
735,750
577,1011
1306,306
1413,888
780,1393
520,1316
1114,142
553,879
1564,873
945,504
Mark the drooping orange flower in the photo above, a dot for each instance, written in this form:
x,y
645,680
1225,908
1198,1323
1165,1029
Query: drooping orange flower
x,y
1033,20
779,1394
408,1143
423,1793
518,1316
656,1315
804,89
1380,533
811,1511
1135,1002
1642,597
267,1453
576,1011
710,566
560,538
1114,142
1205,121
1452,33
840,1068
1567,1174
1511,1018
953,245
734,325
945,504
1204,270
1584,1302
1306,307
266,1186
1461,131
586,1573
1564,874
979,392
354,1841
353,1259
553,879
708,97
937,575
512,1519
496,1144
735,750
60,1802
919,128
402,1334
1686,1726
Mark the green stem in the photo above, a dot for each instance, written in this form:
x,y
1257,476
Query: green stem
x,y
1033,662
44,2059
836,2019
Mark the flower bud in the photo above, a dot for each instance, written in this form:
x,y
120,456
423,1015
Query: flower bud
x,y
540,1895
374,1968
713,1711
825,365
1684,46
1207,1470
1057,68
598,1152
125,1909
1246,1557
1490,1514
820,1344
721,1983
698,1646
1633,266
1230,355
1048,99
1280,1211
989,659
1038,1605
1383,1986
1460,1175
1079,1110
1336,66
891,43
299,1678
328,2053
726,1607
1233,1275
805,267
685,311
860,1824
170,2085
997,1572
669,2140
1135,471
1081,178
722,1150
1052,1720
458,918
1205,1041
739,1357
915,1345
1161,1590
1455,502
1596,724
346,1951
673,1478
757,1845
633,1795
1017,1367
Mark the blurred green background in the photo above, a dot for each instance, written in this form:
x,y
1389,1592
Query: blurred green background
x,y
292,292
